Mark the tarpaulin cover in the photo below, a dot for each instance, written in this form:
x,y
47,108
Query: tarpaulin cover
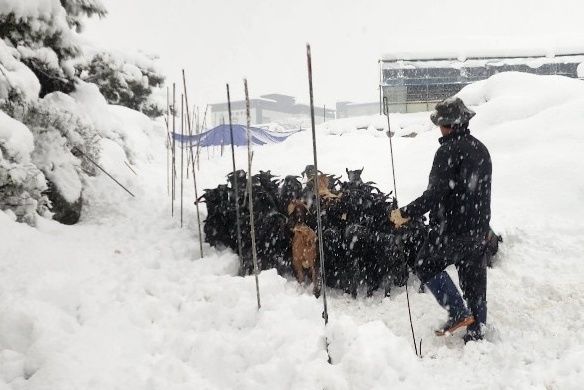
x,y
220,135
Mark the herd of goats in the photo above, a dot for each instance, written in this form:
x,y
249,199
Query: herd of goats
x,y
361,246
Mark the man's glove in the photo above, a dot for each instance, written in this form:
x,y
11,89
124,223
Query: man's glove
x,y
396,218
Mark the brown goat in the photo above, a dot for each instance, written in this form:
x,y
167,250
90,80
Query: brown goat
x,y
303,245
304,254
323,188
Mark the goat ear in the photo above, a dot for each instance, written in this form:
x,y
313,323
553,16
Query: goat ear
x,y
361,171
347,170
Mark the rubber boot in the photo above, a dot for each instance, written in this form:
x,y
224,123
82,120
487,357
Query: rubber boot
x,y
475,331
447,295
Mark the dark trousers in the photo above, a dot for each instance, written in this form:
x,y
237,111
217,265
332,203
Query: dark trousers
x,y
468,256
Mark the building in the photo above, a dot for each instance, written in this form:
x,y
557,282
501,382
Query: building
x,y
412,84
349,109
272,108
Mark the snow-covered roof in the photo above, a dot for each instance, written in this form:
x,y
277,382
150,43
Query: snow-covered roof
x,y
460,47
469,62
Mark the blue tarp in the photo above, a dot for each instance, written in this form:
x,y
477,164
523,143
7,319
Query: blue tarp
x,y
220,135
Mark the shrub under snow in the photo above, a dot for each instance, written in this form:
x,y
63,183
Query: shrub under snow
x,y
21,182
125,80
46,143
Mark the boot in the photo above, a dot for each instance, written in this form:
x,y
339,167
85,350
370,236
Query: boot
x,y
447,295
475,331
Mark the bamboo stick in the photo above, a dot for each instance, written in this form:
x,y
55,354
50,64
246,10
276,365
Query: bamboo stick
x,y
173,112
193,170
250,194
182,153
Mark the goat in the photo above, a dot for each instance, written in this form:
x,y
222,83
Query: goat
x,y
304,255
303,245
355,176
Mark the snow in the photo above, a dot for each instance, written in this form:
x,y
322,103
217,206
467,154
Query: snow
x,y
376,125
15,139
123,135
37,9
580,70
42,16
14,75
483,46
123,300
511,96
44,55
131,72
59,167
132,131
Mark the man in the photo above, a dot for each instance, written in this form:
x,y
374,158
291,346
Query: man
x,y
458,198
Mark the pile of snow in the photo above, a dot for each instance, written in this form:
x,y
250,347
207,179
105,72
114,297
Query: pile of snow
x,y
114,136
15,77
515,96
15,139
130,129
538,121
125,293
403,125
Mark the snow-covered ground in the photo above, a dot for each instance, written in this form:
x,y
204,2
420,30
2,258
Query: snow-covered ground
x,y
122,300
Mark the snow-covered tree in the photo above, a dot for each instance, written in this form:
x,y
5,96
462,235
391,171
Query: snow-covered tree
x,y
41,31
57,135
128,81
78,10
21,182
52,122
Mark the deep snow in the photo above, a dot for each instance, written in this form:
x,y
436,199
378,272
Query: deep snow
x,y
122,300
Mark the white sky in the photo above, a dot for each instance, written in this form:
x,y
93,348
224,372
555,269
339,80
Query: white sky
x,y
219,41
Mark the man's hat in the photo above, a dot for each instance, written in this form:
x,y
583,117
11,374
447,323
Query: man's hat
x,y
451,111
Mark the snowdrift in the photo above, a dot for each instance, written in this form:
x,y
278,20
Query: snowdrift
x,y
123,300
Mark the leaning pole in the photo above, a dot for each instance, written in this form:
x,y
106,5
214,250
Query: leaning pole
x,y
193,168
236,186
250,195
318,215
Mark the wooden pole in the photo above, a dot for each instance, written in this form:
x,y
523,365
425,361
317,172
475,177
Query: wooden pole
x,y
204,124
250,196
236,185
222,141
188,155
201,126
167,141
182,153
193,170
190,129
173,147
318,214
386,112
103,170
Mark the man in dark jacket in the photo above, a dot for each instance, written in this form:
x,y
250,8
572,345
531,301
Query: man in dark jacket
x,y
458,198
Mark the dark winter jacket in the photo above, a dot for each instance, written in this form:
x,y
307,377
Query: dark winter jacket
x,y
459,189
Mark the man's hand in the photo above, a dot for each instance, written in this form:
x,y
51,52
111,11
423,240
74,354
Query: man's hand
x,y
396,218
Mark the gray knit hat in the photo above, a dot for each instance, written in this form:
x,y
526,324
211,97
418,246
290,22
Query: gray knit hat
x,y
451,111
